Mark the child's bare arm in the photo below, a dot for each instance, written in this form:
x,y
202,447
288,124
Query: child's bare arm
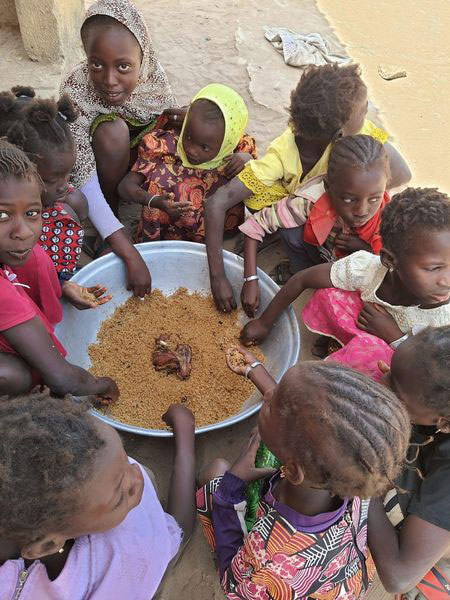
x,y
400,172
130,188
403,558
31,341
77,201
316,277
181,501
250,289
215,208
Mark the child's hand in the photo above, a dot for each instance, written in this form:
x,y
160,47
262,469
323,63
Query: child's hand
x,y
351,243
235,163
179,418
175,117
250,297
110,394
175,210
85,297
244,466
247,356
374,319
254,332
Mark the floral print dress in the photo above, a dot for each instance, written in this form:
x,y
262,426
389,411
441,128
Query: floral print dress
x,y
164,173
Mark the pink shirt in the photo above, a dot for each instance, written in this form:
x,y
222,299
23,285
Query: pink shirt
x,y
125,563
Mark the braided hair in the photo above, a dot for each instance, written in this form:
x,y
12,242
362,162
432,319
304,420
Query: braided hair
x,y
324,99
358,151
47,451
412,210
37,126
363,428
15,163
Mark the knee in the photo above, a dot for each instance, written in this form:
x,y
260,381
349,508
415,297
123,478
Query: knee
x,y
216,468
15,375
111,137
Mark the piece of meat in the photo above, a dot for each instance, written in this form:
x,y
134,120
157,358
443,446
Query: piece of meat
x,y
173,361
184,354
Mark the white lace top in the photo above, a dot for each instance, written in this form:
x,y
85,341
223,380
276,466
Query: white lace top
x,y
363,272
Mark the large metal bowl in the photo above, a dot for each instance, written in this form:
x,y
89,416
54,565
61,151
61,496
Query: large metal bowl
x,y
174,264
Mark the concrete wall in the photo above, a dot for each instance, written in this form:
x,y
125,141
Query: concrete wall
x,y
50,29
8,14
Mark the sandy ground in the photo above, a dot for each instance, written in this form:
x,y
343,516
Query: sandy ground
x,y
410,36
199,42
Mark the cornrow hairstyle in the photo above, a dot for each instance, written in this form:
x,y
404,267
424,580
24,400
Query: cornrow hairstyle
x,y
431,366
358,151
16,164
349,433
210,110
414,209
36,125
324,99
47,451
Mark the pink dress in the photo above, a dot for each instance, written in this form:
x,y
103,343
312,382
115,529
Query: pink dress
x,y
124,563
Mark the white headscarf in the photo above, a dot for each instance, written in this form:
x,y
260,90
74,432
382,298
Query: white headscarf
x,y
150,97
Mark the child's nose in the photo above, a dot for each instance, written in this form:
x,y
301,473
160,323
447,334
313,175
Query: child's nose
x,y
109,79
361,209
21,231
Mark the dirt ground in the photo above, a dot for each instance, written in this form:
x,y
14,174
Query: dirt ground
x,y
199,42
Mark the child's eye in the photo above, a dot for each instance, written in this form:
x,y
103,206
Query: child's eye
x,y
373,200
96,66
205,148
3,215
33,213
124,67
347,200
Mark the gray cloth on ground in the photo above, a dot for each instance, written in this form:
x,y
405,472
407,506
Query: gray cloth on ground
x,y
299,50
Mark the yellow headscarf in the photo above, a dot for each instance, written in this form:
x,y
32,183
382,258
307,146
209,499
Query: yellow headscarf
x,y
235,114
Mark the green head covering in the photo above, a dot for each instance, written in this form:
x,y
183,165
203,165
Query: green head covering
x,y
235,114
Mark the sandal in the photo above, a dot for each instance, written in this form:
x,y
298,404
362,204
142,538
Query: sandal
x,y
281,274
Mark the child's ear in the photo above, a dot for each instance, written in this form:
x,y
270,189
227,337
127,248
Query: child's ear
x,y
443,424
388,259
337,136
49,544
293,472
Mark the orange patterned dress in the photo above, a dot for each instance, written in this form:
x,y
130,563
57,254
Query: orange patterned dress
x,y
164,173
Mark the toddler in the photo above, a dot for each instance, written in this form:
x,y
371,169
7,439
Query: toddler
x,y
190,166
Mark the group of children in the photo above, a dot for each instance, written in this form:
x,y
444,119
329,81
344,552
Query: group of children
x,y
80,519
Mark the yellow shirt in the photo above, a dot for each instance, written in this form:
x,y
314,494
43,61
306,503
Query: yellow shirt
x,y
280,170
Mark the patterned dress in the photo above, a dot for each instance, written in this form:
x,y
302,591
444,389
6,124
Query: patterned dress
x,y
164,173
277,560
61,238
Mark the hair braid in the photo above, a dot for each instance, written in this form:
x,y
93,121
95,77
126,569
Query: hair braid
x,y
15,163
364,428
359,151
34,124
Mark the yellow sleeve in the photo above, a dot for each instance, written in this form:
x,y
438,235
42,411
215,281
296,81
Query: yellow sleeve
x,y
371,129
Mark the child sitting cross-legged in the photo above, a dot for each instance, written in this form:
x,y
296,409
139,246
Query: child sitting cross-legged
x,y
340,438
79,519
176,171
371,303
326,218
